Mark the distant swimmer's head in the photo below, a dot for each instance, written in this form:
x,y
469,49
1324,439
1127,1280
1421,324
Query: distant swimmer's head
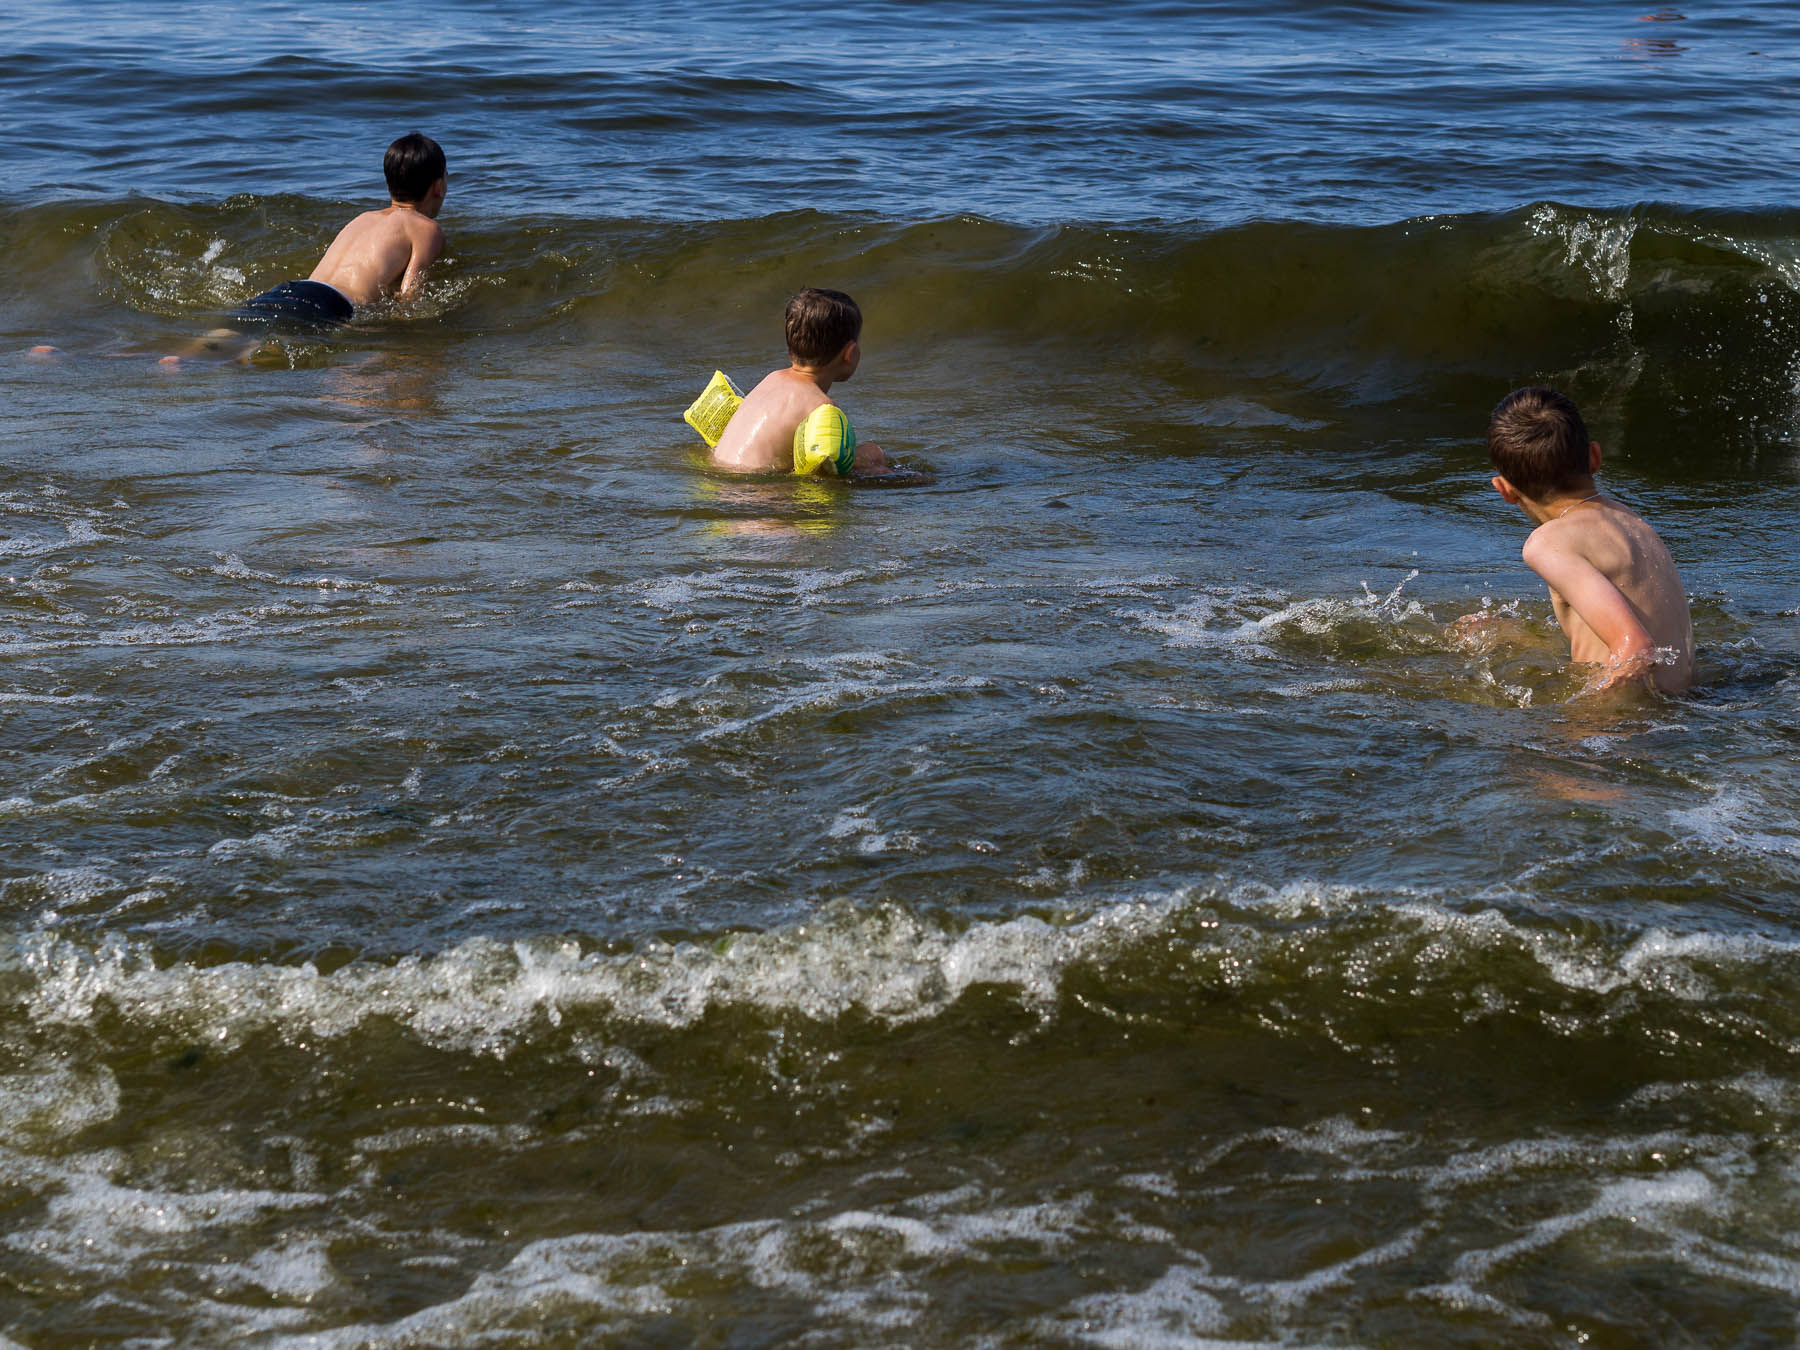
x,y
824,328
415,171
1539,444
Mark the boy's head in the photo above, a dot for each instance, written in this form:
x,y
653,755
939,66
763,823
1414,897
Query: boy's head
x,y
1539,444
820,325
413,165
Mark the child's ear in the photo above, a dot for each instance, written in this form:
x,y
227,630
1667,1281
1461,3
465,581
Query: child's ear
x,y
1593,457
1505,489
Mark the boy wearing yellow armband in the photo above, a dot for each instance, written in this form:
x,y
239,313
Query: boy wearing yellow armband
x,y
789,421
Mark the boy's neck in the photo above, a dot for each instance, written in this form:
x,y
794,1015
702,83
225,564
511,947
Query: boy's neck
x,y
819,375
1555,505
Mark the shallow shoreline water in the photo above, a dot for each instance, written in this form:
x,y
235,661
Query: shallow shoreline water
x,y
471,874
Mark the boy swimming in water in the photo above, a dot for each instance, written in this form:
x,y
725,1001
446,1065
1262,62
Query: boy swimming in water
x,y
1612,583
381,253
789,421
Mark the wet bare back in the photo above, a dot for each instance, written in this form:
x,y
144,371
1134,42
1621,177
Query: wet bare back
x,y
760,435
381,253
1623,548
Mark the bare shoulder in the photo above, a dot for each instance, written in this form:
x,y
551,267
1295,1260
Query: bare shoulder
x,y
1549,540
359,225
763,391
784,389
386,226
1576,545
423,229
1604,529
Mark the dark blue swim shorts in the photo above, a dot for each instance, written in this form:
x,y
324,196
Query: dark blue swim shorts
x,y
297,302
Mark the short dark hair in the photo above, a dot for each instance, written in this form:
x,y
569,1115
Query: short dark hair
x,y
820,324
1538,442
413,164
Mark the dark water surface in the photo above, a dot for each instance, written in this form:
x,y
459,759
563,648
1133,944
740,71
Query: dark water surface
x,y
471,875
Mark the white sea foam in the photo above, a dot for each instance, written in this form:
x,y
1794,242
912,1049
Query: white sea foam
x,y
1249,622
1308,689
1129,587
1338,1137
233,568
1653,1202
867,1274
486,996
277,842
91,1217
1557,1155
1736,820
1678,965
1304,1288
858,1269
14,696
55,1102
76,534
1056,879
855,822
1208,621
1174,1312
846,679
1152,1183
493,1138
297,1271
679,596
1725,1263
282,619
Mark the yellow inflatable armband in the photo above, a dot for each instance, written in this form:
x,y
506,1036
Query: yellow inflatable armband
x,y
825,441
710,412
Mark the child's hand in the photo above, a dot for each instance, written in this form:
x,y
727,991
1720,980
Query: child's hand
x,y
1473,625
870,459
1481,632
1621,671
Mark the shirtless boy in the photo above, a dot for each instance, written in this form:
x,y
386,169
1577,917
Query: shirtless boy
x,y
1612,583
380,253
789,421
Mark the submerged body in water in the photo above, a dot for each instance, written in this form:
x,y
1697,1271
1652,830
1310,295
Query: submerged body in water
x,y
379,255
1613,585
789,420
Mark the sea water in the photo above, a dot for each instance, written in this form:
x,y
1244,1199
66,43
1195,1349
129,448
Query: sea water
x,y
469,874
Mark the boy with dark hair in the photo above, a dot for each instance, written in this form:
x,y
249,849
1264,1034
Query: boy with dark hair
x,y
1612,583
412,166
381,253
789,420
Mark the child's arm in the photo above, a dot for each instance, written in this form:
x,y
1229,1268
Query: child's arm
x,y
425,252
1599,604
